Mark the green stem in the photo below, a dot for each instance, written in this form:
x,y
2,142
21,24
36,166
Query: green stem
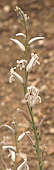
x,y
16,141
36,136
30,109
36,139
15,164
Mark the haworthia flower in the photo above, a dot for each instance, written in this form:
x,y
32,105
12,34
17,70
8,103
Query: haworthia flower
x,y
23,165
21,64
32,62
9,127
22,47
13,74
19,44
22,135
12,151
32,95
34,39
21,34
9,147
24,18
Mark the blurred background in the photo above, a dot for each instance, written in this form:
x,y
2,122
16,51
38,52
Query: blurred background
x,y
41,13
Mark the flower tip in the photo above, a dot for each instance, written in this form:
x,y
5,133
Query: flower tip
x,y
22,47
16,34
11,39
42,37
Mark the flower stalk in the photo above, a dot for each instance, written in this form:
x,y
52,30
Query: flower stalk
x,y
30,109
31,93
36,139
15,136
35,135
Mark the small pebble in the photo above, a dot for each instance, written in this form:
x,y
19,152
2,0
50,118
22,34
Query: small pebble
x,y
52,130
46,164
6,8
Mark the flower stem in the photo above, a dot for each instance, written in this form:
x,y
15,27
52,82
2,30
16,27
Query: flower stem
x,y
15,163
15,127
36,139
30,109
35,135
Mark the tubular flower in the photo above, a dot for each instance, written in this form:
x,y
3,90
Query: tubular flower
x,y
21,46
24,164
35,39
22,135
21,34
32,62
18,43
13,74
21,64
32,95
24,18
12,151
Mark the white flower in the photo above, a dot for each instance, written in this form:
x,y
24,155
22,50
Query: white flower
x,y
26,19
24,165
9,127
11,149
21,64
12,153
21,34
11,79
19,44
22,135
23,17
13,74
22,47
32,62
34,39
32,95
